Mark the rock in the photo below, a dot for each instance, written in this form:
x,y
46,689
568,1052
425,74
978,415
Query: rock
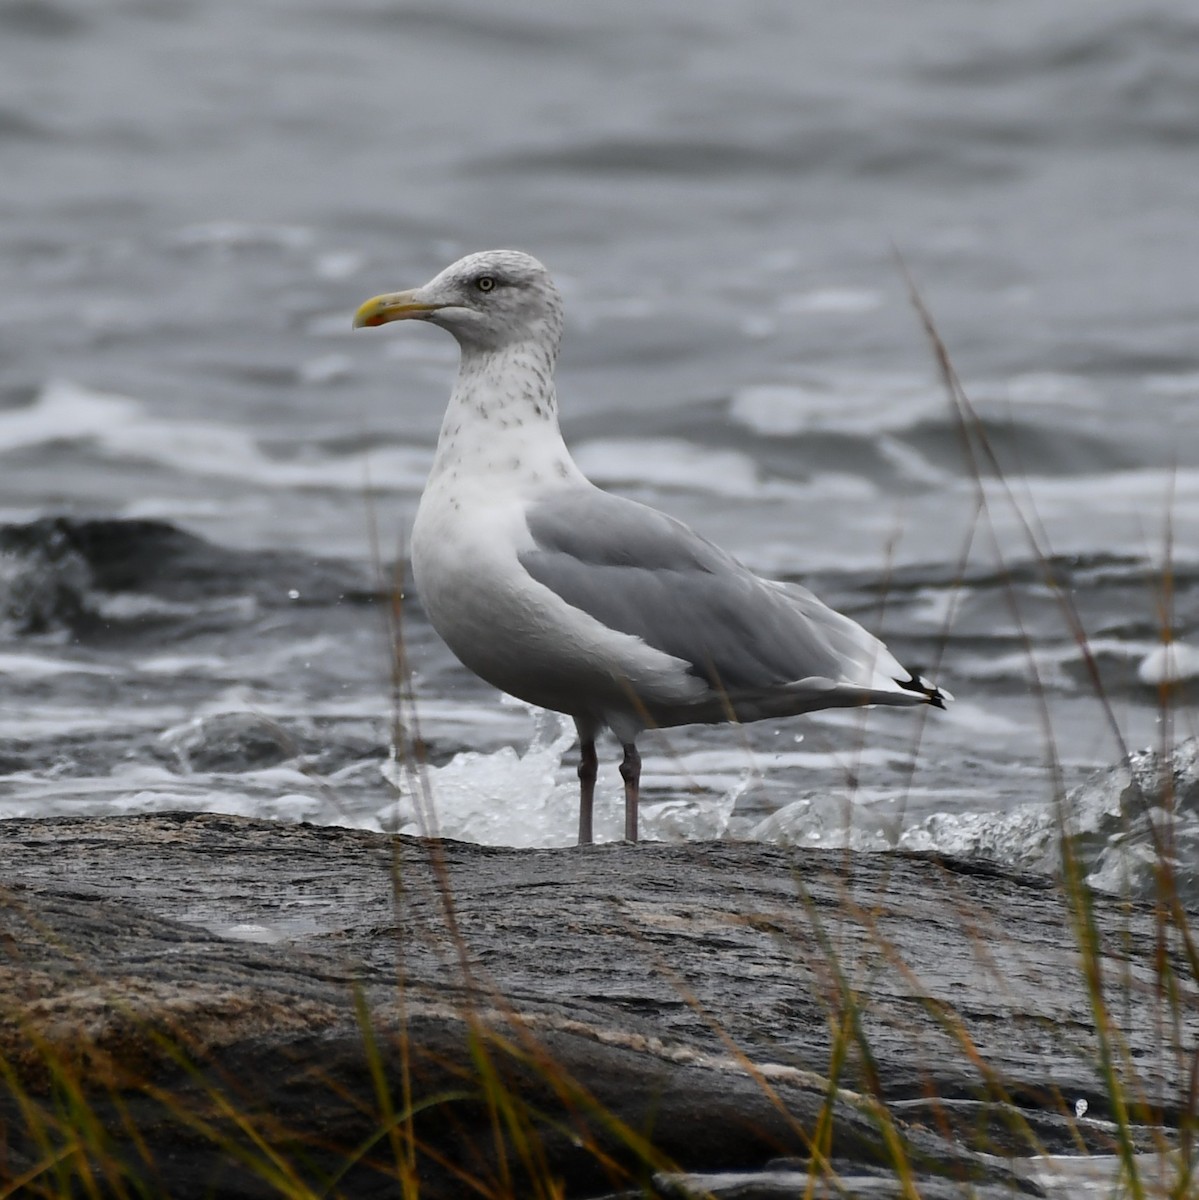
x,y
773,1184
228,742
54,571
43,587
589,1015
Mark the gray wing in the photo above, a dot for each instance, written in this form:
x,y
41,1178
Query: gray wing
x,y
639,571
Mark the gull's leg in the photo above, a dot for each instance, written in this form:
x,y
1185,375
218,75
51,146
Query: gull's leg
x,y
630,772
588,769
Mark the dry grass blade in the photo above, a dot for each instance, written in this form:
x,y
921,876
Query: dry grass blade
x,y
1118,1069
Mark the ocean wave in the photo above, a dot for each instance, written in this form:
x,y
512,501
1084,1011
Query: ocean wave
x,y
1123,822
244,235
69,575
47,666
1053,390
676,464
855,147
1111,76
45,582
1030,421
271,794
861,405
1060,667
121,427
1168,664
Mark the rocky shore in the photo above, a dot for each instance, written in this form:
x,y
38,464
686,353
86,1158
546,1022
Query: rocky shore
x,y
218,1006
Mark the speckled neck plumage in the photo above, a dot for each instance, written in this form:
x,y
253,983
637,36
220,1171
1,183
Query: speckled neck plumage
x,y
503,416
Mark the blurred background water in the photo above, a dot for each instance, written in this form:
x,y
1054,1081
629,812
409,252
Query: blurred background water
x,y
201,467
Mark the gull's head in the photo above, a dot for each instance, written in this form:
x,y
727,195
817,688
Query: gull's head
x,y
487,301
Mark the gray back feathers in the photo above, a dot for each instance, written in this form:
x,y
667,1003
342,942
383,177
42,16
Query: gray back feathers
x,y
641,572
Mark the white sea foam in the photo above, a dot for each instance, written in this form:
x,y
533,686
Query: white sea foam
x,y
40,666
121,428
276,806
823,821
1047,389
1171,662
126,606
339,264
32,722
668,462
1182,383
676,464
328,368
266,702
513,798
252,931
934,607
868,821
64,412
167,508
1026,836
1153,489
1131,507
1048,661
838,301
853,403
1122,827
275,793
275,662
242,235
185,664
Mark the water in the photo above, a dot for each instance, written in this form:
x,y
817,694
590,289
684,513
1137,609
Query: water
x,y
201,466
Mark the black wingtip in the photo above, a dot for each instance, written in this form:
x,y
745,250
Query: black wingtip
x,y
937,697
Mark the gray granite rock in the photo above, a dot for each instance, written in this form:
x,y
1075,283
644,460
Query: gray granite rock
x,y
223,985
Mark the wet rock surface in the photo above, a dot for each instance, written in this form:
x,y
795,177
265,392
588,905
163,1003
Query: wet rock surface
x,y
222,984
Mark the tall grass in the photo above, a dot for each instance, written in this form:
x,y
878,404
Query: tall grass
x,y
1126,1096
85,1117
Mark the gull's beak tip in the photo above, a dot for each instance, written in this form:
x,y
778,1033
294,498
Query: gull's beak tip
x,y
395,306
371,313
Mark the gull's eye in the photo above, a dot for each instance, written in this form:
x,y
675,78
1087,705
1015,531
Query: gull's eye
x,y
485,283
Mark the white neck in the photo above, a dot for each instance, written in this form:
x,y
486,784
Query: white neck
x,y
502,419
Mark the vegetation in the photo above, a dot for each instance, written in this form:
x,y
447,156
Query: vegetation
x,y
86,1101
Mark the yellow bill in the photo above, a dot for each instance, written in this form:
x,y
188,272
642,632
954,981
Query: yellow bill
x,y
395,306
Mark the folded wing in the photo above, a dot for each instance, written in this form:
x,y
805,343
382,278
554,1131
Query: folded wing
x,y
639,571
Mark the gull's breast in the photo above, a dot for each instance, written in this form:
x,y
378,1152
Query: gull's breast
x,y
517,634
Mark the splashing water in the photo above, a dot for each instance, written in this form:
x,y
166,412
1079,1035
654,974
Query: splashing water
x,y
1124,823
509,798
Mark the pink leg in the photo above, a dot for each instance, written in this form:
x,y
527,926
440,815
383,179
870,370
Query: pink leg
x,y
630,772
588,769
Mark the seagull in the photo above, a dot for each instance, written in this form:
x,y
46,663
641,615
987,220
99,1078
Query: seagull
x,y
584,602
